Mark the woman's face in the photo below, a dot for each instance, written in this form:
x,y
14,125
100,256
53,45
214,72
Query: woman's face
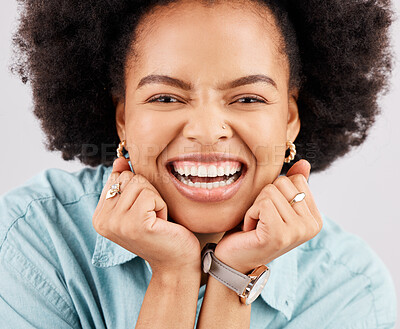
x,y
187,81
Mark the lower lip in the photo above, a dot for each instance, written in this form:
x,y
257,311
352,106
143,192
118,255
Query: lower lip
x,y
208,195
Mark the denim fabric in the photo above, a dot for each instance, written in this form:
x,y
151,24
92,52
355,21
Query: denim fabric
x,y
57,272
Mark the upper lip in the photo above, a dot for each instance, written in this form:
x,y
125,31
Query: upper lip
x,y
207,157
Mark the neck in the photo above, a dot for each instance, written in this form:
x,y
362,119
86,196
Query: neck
x,y
205,238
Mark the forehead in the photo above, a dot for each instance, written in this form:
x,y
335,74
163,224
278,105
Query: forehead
x,y
235,35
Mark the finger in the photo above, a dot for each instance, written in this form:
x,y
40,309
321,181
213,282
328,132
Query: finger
x,y
148,206
123,180
132,190
120,165
300,167
112,178
289,191
301,185
262,210
283,207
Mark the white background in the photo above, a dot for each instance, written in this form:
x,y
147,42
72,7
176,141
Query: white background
x,y
360,191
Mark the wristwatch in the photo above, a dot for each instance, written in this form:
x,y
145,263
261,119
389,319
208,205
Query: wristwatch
x,y
248,287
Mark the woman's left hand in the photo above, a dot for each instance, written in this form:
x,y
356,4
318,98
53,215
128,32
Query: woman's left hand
x,y
271,226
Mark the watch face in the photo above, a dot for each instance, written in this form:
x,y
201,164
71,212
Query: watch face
x,y
258,287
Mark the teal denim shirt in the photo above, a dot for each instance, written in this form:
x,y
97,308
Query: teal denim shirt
x,y
56,271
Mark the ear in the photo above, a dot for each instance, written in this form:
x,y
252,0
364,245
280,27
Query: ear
x,y
120,117
293,123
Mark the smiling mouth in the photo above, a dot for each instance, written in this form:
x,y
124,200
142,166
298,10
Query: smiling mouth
x,y
206,182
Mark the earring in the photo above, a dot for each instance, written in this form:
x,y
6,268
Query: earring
x,y
120,148
290,157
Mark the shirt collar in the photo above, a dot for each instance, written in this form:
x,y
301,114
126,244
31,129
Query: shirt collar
x,y
279,292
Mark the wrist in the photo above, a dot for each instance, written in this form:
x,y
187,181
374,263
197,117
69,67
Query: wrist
x,y
242,268
177,277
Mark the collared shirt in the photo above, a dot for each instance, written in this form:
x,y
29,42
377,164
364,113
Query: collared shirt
x,y
56,271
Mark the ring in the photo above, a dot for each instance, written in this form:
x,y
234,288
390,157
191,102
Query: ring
x,y
114,189
298,197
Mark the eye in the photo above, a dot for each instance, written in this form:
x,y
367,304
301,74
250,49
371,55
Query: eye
x,y
163,99
250,100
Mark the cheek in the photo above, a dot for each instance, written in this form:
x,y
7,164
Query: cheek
x,y
147,137
266,140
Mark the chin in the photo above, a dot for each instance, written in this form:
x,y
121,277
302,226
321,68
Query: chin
x,y
208,222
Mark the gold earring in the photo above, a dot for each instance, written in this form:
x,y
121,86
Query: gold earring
x,y
120,149
290,157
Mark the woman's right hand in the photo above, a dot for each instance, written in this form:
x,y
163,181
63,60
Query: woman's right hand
x,y
136,219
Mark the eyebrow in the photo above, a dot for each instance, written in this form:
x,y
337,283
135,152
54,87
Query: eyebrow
x,y
167,80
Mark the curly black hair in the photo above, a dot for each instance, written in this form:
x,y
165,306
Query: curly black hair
x,y
73,53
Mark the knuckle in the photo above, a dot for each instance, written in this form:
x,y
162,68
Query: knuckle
x,y
320,222
100,227
140,178
281,180
301,232
317,226
266,203
264,241
113,176
269,189
298,179
147,193
125,176
148,224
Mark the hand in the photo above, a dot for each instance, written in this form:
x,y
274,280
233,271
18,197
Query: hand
x,y
136,219
271,226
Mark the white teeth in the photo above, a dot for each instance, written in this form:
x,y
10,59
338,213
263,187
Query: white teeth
x,y
187,171
207,171
193,171
227,170
209,185
202,171
212,171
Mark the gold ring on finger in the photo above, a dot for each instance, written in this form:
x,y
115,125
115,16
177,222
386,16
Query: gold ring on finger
x,y
114,189
298,197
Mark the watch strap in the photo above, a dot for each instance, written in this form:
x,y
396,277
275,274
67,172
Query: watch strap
x,y
227,275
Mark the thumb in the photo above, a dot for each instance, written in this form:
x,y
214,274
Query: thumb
x,y
300,167
120,165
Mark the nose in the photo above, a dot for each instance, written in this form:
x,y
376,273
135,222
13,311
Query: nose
x,y
206,126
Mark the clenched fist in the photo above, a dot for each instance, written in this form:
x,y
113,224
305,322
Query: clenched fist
x,y
136,219
271,226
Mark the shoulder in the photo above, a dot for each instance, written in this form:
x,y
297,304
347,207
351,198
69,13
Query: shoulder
x,y
344,261
46,242
46,191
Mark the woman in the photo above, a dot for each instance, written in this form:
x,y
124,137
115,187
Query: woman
x,y
206,99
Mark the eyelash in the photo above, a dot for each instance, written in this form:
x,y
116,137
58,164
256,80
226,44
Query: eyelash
x,y
155,98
